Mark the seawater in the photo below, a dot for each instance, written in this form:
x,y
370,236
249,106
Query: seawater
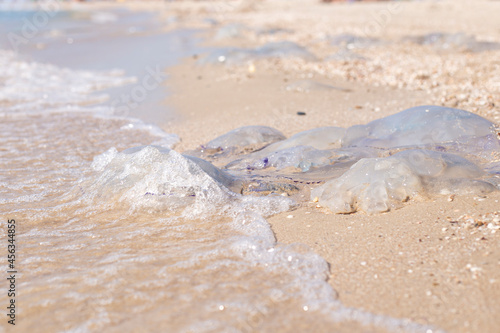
x,y
121,239
113,40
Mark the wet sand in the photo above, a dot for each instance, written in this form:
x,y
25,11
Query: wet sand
x,y
433,261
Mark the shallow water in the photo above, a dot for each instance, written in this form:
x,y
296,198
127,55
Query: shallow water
x,y
132,43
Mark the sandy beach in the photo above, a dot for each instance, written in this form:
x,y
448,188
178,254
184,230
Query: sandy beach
x,y
118,232
434,261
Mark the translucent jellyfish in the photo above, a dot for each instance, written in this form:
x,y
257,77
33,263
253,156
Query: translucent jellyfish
x,y
274,31
302,157
246,136
419,126
493,168
419,152
372,185
220,176
232,30
455,42
345,55
376,185
237,56
306,158
436,164
284,49
302,150
161,154
486,148
441,40
156,178
310,85
349,41
444,173
320,138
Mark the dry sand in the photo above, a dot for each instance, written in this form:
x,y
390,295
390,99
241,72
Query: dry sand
x,y
433,261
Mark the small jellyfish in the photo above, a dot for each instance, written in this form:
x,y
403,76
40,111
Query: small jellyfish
x,y
376,185
302,150
419,126
238,56
246,136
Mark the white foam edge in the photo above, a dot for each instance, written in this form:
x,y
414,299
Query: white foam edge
x,y
259,244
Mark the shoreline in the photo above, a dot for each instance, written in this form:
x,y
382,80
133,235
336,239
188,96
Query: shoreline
x,y
430,261
421,262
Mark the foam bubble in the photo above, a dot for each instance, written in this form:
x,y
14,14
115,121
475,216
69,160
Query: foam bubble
x,y
158,178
